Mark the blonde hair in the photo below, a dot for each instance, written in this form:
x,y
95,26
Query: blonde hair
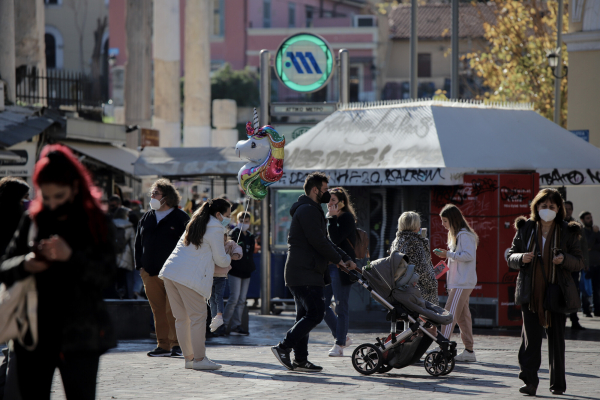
x,y
457,223
409,221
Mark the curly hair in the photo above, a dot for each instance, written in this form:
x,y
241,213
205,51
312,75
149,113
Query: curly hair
x,y
169,192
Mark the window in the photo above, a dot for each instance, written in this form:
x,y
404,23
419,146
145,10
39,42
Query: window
x,y
354,84
424,67
310,13
284,199
218,17
291,15
266,13
50,50
53,2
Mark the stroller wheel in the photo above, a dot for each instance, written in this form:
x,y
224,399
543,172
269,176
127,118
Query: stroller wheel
x,y
384,368
449,366
435,363
367,359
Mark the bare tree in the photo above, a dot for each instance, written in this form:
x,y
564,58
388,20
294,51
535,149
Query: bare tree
x,y
80,8
101,26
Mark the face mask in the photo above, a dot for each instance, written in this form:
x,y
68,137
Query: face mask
x,y
25,205
325,197
155,204
59,211
244,227
225,222
547,214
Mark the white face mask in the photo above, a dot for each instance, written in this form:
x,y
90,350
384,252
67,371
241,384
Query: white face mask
x,y
547,214
244,227
155,204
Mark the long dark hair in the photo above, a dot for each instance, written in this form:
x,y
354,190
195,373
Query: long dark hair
x,y
457,222
12,191
196,228
58,165
548,194
342,195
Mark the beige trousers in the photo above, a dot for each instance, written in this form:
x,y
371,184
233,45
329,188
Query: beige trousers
x,y
164,322
458,305
189,309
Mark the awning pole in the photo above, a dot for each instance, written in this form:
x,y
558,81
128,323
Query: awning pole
x,y
265,259
413,50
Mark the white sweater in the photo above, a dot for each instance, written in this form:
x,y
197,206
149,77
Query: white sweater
x,y
462,273
194,267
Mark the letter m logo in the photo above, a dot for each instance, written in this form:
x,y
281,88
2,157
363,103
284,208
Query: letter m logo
x,y
300,60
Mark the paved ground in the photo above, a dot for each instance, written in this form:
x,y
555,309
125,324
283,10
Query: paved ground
x,y
250,370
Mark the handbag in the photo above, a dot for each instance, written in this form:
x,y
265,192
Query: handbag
x,y
18,308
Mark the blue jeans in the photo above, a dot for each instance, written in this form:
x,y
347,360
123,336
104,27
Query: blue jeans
x,y
216,297
337,324
238,289
310,308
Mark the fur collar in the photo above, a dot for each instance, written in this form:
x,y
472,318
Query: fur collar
x,y
574,227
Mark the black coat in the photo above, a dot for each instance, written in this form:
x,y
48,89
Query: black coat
x,y
573,261
243,267
342,232
154,242
309,248
70,306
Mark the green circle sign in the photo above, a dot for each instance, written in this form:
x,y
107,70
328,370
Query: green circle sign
x,y
304,62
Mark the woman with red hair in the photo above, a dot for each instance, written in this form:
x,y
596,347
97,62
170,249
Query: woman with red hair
x,y
65,242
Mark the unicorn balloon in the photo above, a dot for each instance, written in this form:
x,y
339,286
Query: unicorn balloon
x,y
264,151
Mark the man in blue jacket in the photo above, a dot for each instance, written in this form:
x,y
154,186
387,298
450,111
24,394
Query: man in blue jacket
x,y
309,253
157,235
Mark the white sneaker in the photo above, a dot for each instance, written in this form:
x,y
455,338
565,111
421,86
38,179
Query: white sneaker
x,y
466,356
348,341
206,364
432,350
189,364
336,351
216,323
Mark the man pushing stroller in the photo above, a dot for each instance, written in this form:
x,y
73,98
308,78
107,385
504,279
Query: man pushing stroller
x,y
309,253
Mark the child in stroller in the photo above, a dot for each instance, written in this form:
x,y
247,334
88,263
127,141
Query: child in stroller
x,y
391,281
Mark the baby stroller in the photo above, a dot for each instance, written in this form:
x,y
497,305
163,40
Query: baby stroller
x,y
391,282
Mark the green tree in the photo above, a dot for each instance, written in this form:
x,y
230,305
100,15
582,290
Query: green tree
x,y
515,67
240,85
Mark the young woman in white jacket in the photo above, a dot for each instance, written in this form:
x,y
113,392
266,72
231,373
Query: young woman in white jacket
x,y
188,277
462,276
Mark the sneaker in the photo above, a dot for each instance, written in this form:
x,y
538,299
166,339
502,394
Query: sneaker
x,y
189,364
158,352
306,366
216,323
466,356
206,364
336,351
283,356
238,332
176,351
348,342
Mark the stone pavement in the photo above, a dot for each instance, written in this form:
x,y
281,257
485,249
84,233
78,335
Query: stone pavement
x,y
250,370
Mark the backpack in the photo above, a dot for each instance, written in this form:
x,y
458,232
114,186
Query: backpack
x,y
120,240
362,244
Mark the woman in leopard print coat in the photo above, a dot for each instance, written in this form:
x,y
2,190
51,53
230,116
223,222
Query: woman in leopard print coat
x,y
408,241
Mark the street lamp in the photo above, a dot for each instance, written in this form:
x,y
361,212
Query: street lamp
x,y
553,58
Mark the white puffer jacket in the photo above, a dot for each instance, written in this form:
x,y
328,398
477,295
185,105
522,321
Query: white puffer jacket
x,y
194,267
462,262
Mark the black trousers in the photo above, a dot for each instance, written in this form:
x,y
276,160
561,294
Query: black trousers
x,y
530,353
594,274
573,316
310,310
78,371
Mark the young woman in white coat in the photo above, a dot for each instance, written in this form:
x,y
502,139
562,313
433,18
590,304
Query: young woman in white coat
x,y
188,277
462,276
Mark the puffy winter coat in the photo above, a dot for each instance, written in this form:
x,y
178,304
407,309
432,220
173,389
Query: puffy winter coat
x,y
462,271
194,267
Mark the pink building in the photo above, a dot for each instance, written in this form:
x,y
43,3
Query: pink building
x,y
242,28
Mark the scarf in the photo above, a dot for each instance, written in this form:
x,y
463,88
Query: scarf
x,y
538,283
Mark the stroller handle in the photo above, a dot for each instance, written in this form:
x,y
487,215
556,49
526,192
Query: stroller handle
x,y
354,273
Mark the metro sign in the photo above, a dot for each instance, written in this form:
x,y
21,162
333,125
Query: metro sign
x,y
304,62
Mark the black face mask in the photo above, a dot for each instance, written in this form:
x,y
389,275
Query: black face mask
x,y
325,197
61,211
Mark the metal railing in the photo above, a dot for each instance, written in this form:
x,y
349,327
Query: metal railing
x,y
55,88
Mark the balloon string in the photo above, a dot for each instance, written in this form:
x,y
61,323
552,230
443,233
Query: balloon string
x,y
242,224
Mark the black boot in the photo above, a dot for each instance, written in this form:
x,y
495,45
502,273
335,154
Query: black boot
x,y
576,326
528,390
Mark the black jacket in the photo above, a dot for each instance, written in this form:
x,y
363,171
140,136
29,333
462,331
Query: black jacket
x,y
309,248
573,261
154,242
70,306
593,242
342,232
243,267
